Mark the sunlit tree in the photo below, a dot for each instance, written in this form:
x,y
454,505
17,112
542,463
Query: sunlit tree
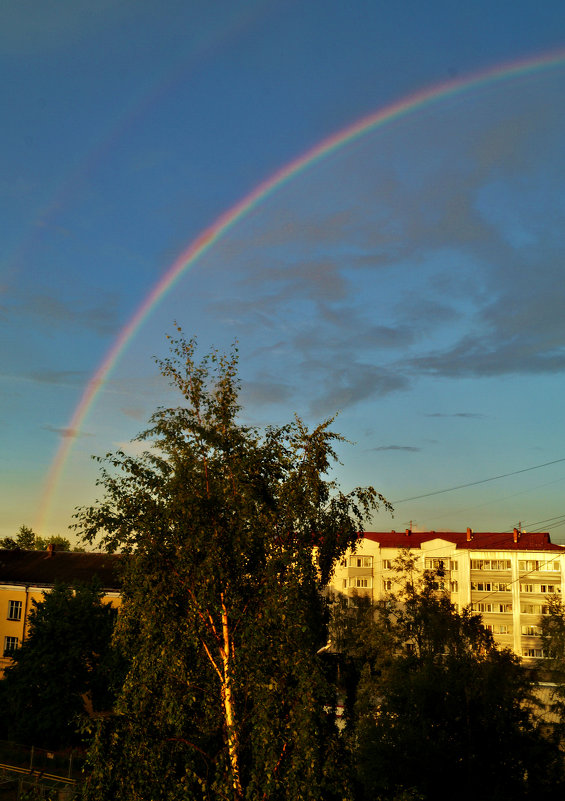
x,y
222,613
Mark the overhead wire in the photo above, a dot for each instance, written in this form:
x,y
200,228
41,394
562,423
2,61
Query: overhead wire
x,y
475,483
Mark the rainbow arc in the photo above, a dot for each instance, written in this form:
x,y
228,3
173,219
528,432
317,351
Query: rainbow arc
x,y
219,228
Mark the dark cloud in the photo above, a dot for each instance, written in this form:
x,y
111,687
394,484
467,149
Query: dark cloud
x,y
135,412
69,433
100,317
467,415
344,384
265,392
447,262
59,377
409,448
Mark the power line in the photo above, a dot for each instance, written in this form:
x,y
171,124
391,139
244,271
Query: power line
x,y
540,522
474,483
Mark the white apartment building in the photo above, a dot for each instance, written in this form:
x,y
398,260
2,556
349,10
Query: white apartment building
x,y
507,577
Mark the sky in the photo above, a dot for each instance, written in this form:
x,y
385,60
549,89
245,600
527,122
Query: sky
x,y
190,161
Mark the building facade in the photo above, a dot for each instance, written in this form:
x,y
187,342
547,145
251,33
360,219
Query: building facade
x,y
508,578
26,575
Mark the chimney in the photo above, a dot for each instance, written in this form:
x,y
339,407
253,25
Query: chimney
x,y
50,550
469,534
408,532
515,535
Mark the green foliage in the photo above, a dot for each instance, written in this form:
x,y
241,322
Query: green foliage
x,y
28,540
553,633
447,713
553,642
60,543
64,663
222,614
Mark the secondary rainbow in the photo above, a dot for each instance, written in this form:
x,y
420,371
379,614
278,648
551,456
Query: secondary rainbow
x,y
207,238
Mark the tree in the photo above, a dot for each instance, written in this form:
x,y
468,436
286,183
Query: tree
x,y
64,665
222,613
28,540
553,642
25,538
454,706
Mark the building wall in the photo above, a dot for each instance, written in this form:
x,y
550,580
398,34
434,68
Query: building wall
x,y
15,605
509,588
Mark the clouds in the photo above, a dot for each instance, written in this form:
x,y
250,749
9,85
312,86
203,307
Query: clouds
x,y
67,433
405,448
463,415
98,315
428,250
66,378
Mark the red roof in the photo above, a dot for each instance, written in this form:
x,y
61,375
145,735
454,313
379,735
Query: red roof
x,y
479,540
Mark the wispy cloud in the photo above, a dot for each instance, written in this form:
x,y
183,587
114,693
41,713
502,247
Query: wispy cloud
x,y
409,448
100,317
69,433
467,415
135,412
59,377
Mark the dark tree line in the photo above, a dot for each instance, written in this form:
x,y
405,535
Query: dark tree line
x,y
65,667
434,709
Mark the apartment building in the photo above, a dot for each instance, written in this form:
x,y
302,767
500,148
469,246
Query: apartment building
x,y
506,577
26,575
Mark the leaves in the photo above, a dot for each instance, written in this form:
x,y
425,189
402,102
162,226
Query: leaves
x,y
223,612
65,659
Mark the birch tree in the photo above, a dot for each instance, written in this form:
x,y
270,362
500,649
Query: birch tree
x,y
229,534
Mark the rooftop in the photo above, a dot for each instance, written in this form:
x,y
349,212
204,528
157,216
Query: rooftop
x,y
473,540
45,568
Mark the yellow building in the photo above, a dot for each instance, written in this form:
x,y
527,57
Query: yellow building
x,y
26,575
507,577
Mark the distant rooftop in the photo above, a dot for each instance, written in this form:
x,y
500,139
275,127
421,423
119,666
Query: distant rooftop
x,y
45,568
473,540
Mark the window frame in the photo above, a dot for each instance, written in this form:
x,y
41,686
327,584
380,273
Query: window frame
x,y
14,610
11,644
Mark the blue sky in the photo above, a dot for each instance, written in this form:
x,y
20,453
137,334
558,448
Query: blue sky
x,y
411,281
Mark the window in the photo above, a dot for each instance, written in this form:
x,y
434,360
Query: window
x,y
14,610
454,586
531,609
361,582
531,631
481,586
387,584
436,564
527,588
361,561
503,608
10,645
455,565
490,564
534,652
387,564
500,586
484,607
344,583
530,565
550,588
496,628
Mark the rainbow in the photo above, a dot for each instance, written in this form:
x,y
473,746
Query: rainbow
x,y
207,238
